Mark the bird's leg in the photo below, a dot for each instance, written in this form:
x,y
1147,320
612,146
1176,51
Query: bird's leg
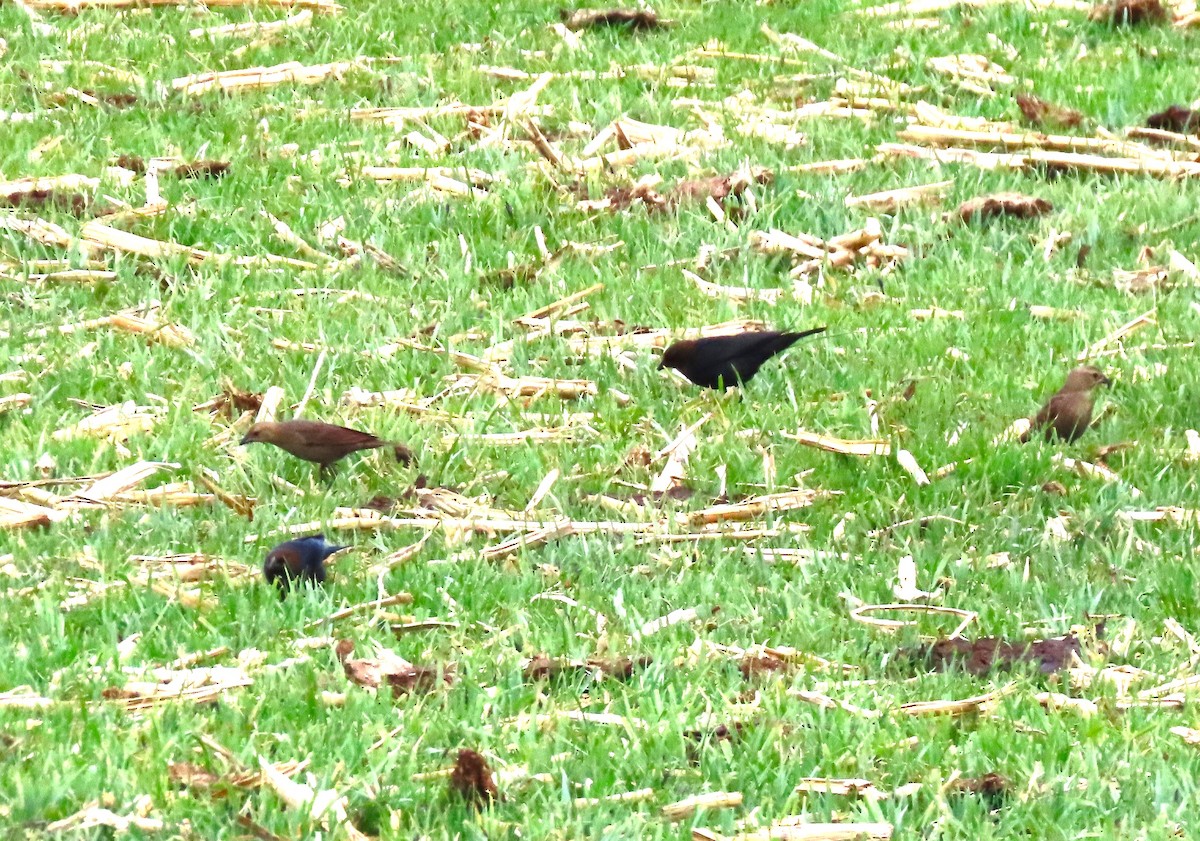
x,y
710,401
703,400
722,400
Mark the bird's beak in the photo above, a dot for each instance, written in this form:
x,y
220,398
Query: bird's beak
x,y
1106,381
246,440
662,363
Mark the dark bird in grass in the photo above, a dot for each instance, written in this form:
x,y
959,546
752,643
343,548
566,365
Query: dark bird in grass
x,y
1068,413
302,559
719,361
320,443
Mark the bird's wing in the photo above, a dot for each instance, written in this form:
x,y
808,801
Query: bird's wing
x,y
1047,413
770,344
1072,410
315,433
759,345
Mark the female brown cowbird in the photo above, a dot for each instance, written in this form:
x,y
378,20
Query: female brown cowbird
x,y
1068,413
302,559
321,443
719,361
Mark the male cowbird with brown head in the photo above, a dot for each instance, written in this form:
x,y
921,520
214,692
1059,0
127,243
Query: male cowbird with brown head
x,y
720,361
302,559
320,443
1068,413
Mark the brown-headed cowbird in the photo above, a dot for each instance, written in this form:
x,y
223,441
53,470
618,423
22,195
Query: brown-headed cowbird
x,y
719,361
302,559
320,443
1068,414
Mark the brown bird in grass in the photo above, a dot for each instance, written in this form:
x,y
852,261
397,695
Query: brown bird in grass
x,y
719,361
302,559
320,443
1068,413
472,779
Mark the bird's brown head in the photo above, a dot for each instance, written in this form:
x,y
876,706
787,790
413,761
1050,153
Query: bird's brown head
x,y
1085,378
264,432
677,354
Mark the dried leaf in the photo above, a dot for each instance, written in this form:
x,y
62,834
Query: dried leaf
x,y
15,401
122,481
757,665
93,816
243,506
117,100
113,423
909,462
906,588
840,445
15,514
1188,734
1152,279
889,201
192,776
253,78
619,668
993,788
842,787
324,806
756,506
677,452
621,198
391,670
721,187
975,704
231,402
686,808
1056,701
1039,112
801,830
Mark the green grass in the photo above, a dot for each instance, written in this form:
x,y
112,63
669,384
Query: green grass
x,y
1116,775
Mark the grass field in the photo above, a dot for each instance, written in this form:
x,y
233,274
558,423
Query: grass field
x,y
84,629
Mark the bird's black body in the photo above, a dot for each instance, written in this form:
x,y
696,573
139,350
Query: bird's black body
x,y
720,361
302,559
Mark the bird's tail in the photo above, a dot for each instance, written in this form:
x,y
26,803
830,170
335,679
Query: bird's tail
x,y
795,337
786,340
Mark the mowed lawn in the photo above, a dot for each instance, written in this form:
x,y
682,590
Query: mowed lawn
x,y
132,668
